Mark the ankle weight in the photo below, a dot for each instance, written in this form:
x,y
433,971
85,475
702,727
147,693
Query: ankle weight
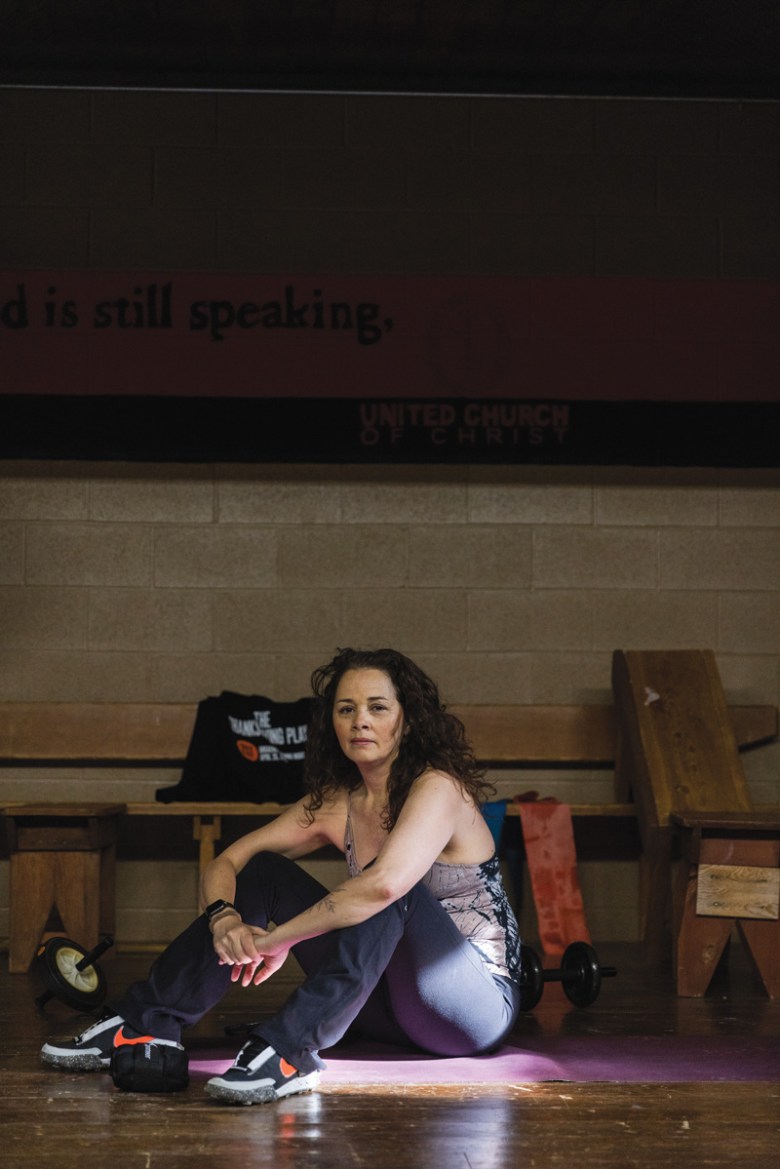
x,y
150,1067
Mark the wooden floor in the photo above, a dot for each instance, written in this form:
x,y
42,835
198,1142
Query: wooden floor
x,y
57,1119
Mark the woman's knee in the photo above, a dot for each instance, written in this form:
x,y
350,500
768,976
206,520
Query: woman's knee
x,y
274,887
265,865
256,886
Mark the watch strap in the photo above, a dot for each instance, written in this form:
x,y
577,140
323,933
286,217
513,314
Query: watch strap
x,y
218,907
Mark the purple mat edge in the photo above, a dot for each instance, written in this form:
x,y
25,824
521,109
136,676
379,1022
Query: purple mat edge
x,y
586,1059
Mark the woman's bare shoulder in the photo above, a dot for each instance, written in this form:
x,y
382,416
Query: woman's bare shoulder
x,y
434,779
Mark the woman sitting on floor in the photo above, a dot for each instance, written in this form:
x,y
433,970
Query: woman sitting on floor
x,y
418,946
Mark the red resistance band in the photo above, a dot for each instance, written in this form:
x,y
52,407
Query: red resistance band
x,y
552,866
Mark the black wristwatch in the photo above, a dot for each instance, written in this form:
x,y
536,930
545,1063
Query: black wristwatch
x,y
216,907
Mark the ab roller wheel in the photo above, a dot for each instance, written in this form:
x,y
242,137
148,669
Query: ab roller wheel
x,y
580,975
70,973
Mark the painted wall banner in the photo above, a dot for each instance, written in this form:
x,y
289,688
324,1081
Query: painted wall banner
x,y
236,367
235,335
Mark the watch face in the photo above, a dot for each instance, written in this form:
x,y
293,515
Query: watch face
x,y
216,906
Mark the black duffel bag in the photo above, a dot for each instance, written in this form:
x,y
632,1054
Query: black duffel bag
x,y
244,748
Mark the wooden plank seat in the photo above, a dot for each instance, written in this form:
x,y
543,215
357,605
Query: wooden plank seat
x,y
148,734
680,758
57,735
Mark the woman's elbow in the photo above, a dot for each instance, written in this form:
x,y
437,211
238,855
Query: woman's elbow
x,y
388,889
221,865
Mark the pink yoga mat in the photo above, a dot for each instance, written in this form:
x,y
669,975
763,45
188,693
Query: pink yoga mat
x,y
576,1059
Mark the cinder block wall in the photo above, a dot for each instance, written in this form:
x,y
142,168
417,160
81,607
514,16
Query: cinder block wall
x,y
141,582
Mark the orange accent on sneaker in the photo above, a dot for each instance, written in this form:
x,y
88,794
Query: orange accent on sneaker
x,y
286,1068
121,1040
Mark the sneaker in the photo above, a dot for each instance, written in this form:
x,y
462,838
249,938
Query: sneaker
x,y
88,1052
91,1050
259,1075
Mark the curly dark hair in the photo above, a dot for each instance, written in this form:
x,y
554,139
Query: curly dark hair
x,y
435,738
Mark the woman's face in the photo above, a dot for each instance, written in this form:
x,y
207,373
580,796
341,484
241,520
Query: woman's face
x,y
368,718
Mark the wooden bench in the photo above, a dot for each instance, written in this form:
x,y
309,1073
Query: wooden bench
x,y
680,758
143,735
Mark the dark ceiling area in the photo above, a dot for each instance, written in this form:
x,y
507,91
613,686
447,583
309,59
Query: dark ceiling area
x,y
726,49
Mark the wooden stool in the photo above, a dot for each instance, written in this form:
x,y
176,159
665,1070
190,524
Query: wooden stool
x,y
729,876
63,856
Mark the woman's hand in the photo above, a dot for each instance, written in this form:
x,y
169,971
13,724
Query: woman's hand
x,y
268,961
248,949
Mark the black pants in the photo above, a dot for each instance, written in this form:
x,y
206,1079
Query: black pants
x,y
405,975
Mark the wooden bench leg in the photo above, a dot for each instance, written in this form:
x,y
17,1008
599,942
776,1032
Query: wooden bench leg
x,y
32,898
762,941
71,882
654,893
703,920
207,830
699,942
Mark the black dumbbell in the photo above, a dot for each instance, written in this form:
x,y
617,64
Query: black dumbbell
x,y
70,973
580,975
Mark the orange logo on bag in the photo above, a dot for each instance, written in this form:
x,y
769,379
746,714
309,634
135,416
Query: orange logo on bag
x,y
248,750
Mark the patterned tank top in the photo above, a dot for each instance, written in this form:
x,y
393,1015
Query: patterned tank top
x,y
475,898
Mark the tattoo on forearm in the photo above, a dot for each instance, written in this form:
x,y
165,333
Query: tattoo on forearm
x,y
326,905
